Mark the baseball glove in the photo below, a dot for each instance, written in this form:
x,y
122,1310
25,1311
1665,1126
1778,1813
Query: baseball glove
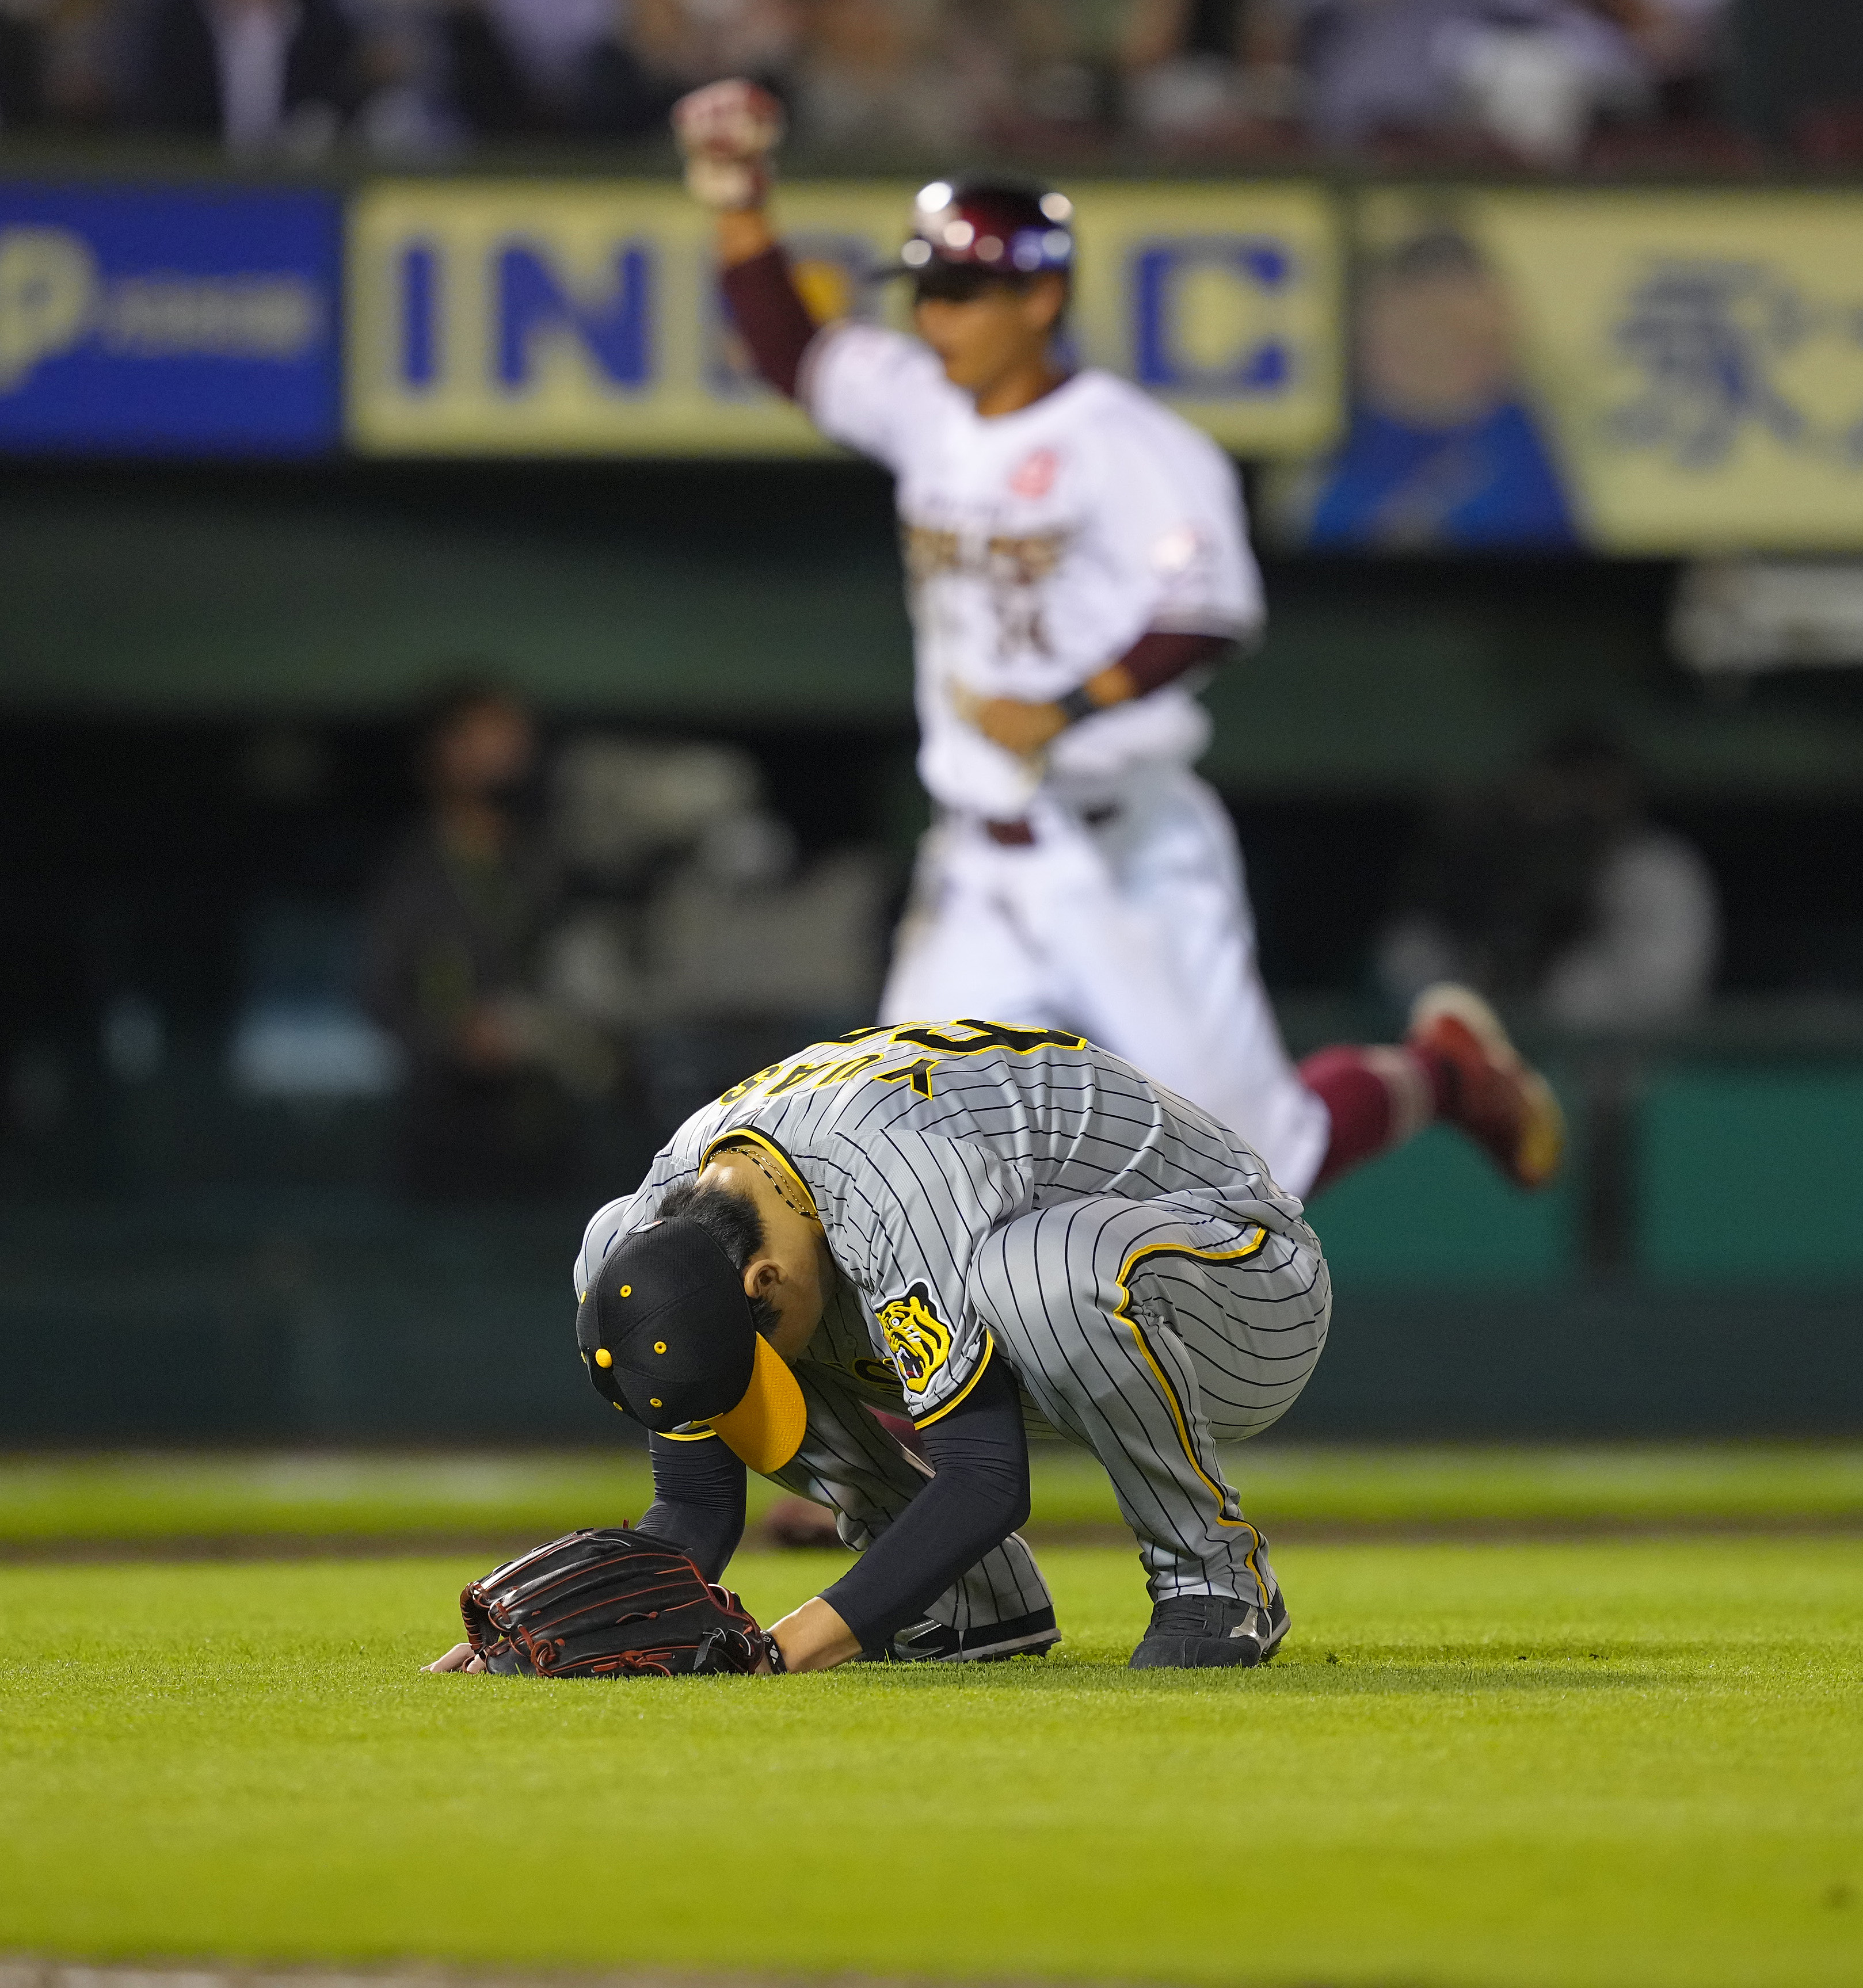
x,y
727,131
610,1602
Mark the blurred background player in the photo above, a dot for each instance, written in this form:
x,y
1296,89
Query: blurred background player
x,y
1077,556
453,933
1557,893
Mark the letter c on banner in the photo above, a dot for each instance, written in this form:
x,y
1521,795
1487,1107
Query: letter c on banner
x,y
1205,316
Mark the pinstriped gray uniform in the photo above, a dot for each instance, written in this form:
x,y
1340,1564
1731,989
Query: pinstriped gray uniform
x,y
988,1191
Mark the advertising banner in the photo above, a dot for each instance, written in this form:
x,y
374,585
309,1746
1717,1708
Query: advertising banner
x,y
582,318
1634,372
183,321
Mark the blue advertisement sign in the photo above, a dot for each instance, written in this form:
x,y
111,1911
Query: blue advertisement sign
x,y
169,322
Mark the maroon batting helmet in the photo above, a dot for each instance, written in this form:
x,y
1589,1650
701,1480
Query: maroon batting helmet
x,y
964,231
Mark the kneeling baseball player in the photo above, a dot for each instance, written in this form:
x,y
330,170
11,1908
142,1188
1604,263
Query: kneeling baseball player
x,y
1001,1227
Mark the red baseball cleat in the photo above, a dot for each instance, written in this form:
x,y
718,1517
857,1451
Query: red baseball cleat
x,y
1492,1093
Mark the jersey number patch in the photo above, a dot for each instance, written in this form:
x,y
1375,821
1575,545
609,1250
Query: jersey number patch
x,y
967,1037
918,1339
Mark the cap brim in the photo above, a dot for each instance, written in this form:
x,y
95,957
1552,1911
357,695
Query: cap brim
x,y
767,1427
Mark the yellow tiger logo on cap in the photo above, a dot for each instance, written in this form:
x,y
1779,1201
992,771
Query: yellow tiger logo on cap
x,y
918,1339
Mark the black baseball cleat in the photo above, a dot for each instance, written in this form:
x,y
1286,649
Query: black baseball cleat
x,y
930,1642
1209,1631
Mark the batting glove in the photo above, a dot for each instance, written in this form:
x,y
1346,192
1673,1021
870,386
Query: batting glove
x,y
727,131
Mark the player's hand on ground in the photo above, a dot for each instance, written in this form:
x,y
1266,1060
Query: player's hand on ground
x,y
1020,727
814,1638
461,1657
727,131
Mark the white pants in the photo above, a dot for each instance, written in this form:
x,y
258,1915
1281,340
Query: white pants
x,y
1137,933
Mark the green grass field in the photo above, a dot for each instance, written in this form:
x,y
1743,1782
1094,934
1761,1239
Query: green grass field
x,y
55,1501
1609,1762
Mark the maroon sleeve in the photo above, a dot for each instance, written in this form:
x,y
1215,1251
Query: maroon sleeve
x,y
770,312
1162,656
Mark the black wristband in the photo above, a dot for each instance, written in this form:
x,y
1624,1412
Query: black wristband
x,y
773,1651
1076,706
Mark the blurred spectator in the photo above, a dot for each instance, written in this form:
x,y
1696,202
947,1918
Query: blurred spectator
x,y
20,86
1560,892
1798,75
62,61
561,66
1687,45
1531,76
1037,68
259,74
453,933
690,41
407,91
679,44
552,44
879,73
1211,69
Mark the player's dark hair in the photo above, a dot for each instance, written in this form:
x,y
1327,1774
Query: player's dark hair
x,y
731,1220
959,282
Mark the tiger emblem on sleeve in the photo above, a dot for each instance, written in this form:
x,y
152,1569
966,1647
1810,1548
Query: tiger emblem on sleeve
x,y
918,1339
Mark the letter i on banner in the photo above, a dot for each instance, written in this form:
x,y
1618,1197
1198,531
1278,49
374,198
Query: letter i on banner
x,y
420,277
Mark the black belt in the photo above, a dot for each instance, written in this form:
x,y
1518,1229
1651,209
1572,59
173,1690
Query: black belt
x,y
1020,832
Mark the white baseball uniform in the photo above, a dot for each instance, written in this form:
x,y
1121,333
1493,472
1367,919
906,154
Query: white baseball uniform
x,y
1040,545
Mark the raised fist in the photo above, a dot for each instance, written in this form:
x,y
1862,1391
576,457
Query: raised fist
x,y
727,131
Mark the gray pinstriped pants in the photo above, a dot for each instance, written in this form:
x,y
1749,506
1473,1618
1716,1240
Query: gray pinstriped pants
x,y
849,1462
1148,1331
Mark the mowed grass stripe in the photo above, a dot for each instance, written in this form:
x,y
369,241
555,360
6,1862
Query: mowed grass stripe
x,y
523,1497
1623,1761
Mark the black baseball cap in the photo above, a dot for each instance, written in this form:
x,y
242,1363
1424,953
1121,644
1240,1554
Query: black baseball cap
x,y
667,1336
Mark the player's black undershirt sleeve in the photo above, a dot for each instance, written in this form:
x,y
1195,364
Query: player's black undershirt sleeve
x,y
977,1499
697,1501
769,311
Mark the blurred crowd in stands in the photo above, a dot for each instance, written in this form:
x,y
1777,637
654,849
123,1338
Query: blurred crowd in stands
x,y
1557,84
